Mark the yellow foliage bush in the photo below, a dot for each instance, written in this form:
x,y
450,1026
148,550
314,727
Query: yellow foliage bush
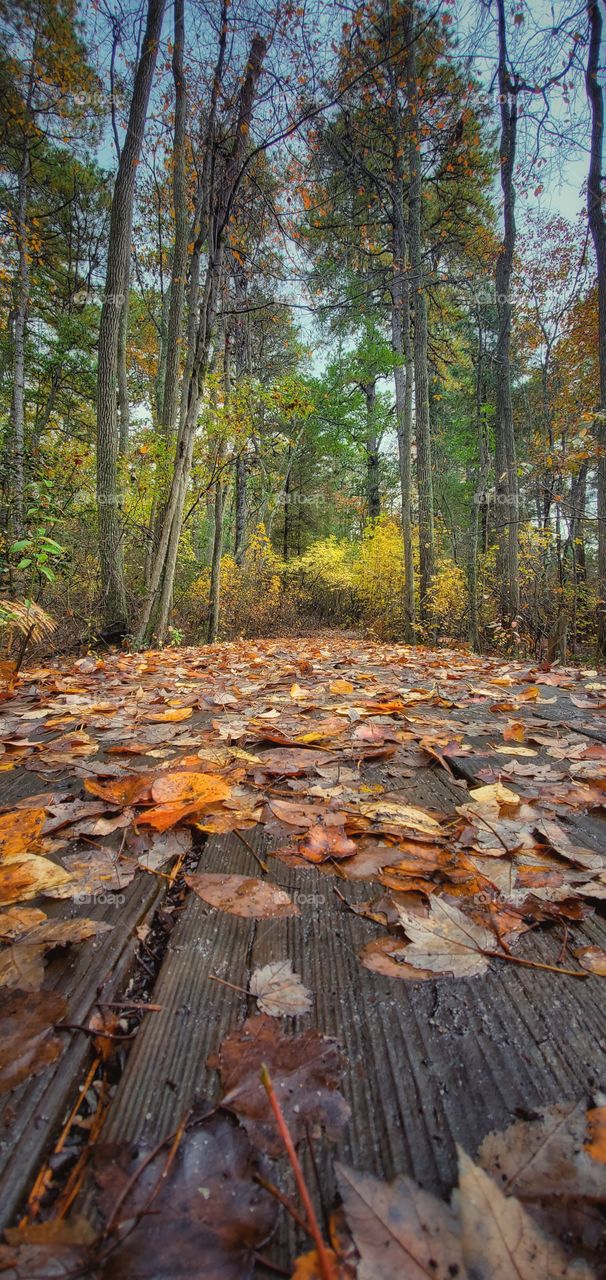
x,y
325,579
253,602
379,578
448,600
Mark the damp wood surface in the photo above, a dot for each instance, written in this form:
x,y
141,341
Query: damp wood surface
x,y
428,1064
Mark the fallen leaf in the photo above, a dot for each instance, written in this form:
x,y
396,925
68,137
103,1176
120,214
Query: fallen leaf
x,y
399,1230
17,831
26,879
592,958
28,1042
242,895
447,941
500,1240
279,992
321,843
18,920
546,1157
305,1071
388,957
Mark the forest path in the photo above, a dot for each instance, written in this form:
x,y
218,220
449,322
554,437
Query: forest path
x,y
396,817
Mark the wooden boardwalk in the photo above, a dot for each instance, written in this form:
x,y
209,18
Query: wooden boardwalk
x,y
429,1064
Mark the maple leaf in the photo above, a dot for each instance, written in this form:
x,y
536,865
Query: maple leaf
x,y
545,1157
322,842
447,941
305,1070
278,991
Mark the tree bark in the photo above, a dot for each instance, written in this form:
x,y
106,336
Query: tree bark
x,y
419,302
597,225
215,569
220,196
479,495
506,485
123,404
402,350
118,257
179,256
373,492
242,368
17,419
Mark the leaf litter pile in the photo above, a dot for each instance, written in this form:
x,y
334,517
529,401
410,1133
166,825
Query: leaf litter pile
x,y
137,758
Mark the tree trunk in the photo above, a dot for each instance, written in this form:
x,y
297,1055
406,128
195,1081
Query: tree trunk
x,y
123,405
241,507
179,257
286,495
419,300
479,496
402,349
506,485
597,224
373,492
215,570
118,257
242,368
200,340
17,419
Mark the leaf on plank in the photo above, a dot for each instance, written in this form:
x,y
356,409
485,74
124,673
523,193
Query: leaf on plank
x,y
28,1042
447,941
305,1070
92,871
206,1217
499,1238
32,875
321,843
18,831
399,1229
242,895
389,957
278,991
591,958
545,1157
18,920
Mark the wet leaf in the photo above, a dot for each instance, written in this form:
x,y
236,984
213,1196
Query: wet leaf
x,y
242,895
206,1218
279,992
28,1042
388,956
322,843
20,880
18,831
399,1229
447,941
500,1240
546,1157
305,1071
592,958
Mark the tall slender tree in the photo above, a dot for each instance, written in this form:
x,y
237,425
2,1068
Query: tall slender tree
x,y
111,551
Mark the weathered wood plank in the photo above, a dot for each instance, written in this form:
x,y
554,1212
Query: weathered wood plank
x,y
33,1114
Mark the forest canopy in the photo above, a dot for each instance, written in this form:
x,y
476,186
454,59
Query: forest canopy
x,y
303,321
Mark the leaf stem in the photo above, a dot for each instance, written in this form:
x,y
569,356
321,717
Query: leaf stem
x,y
533,964
324,1263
